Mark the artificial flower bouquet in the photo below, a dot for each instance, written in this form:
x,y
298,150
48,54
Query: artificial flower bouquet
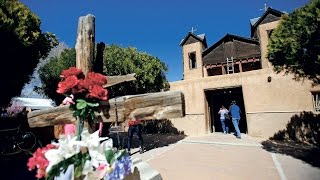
x,y
89,156
86,91
92,158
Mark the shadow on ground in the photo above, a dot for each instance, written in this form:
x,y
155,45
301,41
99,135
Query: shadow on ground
x,y
300,139
305,152
14,167
155,133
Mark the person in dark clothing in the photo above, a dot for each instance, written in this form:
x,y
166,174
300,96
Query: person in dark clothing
x,y
135,127
235,114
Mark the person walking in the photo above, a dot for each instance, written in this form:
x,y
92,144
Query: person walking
x,y
223,119
235,114
135,127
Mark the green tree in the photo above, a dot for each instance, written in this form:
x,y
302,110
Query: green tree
x,y
150,71
50,74
22,44
294,45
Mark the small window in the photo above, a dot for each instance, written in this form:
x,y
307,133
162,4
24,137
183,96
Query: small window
x,y
316,101
192,60
269,33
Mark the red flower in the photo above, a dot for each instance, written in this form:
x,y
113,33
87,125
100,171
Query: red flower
x,y
97,78
39,161
72,71
87,83
67,84
97,92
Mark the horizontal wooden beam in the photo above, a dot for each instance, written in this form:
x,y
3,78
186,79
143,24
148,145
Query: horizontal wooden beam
x,y
162,105
113,80
242,61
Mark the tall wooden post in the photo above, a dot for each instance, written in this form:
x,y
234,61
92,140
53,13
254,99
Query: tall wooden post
x,y
85,43
85,51
98,61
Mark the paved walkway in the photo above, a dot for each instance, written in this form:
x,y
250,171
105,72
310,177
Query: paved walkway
x,y
218,156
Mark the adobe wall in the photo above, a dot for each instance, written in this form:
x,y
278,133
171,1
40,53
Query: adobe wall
x,y
269,105
191,124
197,72
264,39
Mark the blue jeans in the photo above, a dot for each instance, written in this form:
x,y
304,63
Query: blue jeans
x,y
132,129
235,122
224,125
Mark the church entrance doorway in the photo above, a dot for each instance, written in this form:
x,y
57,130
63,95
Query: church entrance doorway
x,y
217,97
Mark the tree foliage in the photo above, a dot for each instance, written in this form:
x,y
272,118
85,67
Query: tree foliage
x,y
50,74
22,44
30,89
150,71
294,45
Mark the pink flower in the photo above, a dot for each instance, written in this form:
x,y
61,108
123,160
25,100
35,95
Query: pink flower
x,y
69,129
101,171
68,100
39,161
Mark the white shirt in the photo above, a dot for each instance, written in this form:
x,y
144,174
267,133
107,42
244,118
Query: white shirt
x,y
222,112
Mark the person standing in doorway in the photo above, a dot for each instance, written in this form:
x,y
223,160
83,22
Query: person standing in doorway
x,y
223,119
235,114
135,127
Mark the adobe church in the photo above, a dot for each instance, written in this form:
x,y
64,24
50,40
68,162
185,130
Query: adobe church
x,y
236,68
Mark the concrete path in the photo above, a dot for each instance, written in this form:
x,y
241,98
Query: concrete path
x,y
218,156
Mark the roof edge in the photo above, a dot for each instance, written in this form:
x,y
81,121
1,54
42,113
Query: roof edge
x,y
195,36
224,37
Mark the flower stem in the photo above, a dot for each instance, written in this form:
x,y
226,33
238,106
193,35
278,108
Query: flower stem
x,y
79,128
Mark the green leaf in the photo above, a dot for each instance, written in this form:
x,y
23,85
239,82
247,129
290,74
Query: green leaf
x,y
81,100
93,116
83,111
78,171
76,113
109,155
72,107
81,105
93,104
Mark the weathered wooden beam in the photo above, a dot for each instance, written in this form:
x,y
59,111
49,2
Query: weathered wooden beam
x,y
85,48
85,43
113,80
162,105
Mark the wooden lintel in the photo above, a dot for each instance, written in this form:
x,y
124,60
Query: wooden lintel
x,y
162,105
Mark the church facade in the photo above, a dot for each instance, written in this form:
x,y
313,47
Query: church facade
x,y
236,68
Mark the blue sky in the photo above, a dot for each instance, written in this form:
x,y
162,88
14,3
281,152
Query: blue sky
x,y
155,27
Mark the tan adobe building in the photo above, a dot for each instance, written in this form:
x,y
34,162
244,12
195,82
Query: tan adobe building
x,y
236,68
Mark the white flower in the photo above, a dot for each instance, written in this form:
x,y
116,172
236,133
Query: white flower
x,y
67,147
96,167
96,151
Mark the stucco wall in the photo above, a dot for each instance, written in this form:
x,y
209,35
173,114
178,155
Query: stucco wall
x,y
191,124
197,72
269,105
266,124
264,38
